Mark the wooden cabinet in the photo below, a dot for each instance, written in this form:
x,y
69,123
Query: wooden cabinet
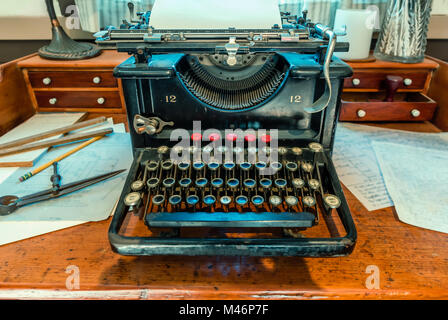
x,y
364,94
76,86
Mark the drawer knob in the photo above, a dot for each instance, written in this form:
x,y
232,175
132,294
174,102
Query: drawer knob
x,y
415,113
46,81
407,82
101,100
356,81
96,80
53,100
361,113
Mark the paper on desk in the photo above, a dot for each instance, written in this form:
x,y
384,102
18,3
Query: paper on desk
x,y
356,163
417,181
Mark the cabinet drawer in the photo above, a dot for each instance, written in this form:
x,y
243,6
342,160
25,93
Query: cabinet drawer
x,y
376,80
78,99
72,79
411,107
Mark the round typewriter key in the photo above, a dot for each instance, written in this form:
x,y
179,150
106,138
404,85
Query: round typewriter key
x,y
207,149
194,149
217,182
169,182
222,149
201,182
252,150
266,150
291,201
266,138
192,200
250,183
308,201
260,165
213,166
152,183
298,183
175,200
158,199
225,200
196,136
198,165
185,182
297,151
257,200
183,166
241,200
152,166
231,137
238,150
332,201
209,200
307,167
167,165
178,149
314,184
280,183
266,183
163,150
315,147
250,138
137,185
282,151
233,183
275,201
276,166
214,137
132,199
228,165
291,166
245,166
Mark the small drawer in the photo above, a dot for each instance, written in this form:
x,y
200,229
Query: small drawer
x,y
78,99
72,79
411,106
376,80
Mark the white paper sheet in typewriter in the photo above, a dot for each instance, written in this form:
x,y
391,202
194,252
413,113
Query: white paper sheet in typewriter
x,y
417,181
357,165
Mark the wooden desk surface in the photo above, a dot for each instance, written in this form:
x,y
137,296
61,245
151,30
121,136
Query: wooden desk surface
x,y
412,264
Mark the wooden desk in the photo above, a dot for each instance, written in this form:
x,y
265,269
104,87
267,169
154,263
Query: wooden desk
x,y
412,264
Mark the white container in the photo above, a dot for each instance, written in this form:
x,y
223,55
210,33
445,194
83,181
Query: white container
x,y
359,26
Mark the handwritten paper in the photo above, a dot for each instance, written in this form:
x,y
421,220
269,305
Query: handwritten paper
x,y
417,181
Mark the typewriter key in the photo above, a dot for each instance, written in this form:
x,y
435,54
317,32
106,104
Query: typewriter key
x,y
298,183
167,165
229,166
275,201
282,151
178,149
152,166
314,184
257,200
217,182
152,183
250,183
225,200
192,200
194,149
198,165
266,183
260,165
183,166
291,201
137,185
332,201
169,182
315,147
233,183
291,166
307,167
266,150
222,149
297,151
201,182
213,166
132,199
158,199
245,166
238,150
185,182
241,200
266,138
209,200
280,183
162,150
207,149
276,166
175,200
252,150
308,201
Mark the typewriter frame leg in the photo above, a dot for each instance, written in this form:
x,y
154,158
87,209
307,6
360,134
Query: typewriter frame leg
x,y
303,247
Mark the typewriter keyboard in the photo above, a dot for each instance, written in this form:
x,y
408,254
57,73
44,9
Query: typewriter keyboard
x,y
231,194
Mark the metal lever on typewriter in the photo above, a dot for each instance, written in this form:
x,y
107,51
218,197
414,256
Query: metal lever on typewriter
x,y
321,103
150,126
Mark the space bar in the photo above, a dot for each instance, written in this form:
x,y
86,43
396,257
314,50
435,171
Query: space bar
x,y
231,219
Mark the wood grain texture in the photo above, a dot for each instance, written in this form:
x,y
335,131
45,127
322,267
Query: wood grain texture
x,y
412,262
375,79
72,79
15,103
78,99
438,90
427,63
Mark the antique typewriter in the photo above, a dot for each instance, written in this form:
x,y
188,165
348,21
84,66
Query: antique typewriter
x,y
232,132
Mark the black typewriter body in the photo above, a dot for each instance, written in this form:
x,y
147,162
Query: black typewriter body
x,y
259,164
